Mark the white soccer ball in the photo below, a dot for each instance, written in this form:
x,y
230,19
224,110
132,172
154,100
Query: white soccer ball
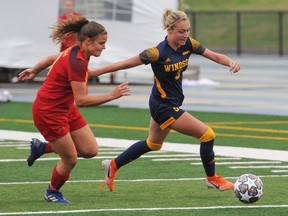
x,y
5,96
248,188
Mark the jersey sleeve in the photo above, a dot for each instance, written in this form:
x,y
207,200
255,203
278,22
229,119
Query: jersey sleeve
x,y
78,71
149,55
197,47
78,68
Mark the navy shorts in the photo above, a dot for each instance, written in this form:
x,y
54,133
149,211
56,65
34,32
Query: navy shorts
x,y
164,114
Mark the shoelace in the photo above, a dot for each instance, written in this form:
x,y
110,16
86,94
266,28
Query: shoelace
x,y
102,184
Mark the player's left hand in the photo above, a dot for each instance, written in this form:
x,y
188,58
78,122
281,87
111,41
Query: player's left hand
x,y
234,67
121,90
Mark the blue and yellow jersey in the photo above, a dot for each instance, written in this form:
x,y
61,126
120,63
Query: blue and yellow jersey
x,y
168,66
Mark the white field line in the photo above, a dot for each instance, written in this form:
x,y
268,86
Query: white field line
x,y
262,154
97,157
144,209
279,171
257,167
246,162
136,180
161,157
98,181
190,159
24,146
15,135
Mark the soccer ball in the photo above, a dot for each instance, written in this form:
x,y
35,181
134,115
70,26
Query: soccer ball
x,y
248,188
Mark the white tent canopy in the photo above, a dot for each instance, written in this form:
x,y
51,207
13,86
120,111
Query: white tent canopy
x,y
127,39
26,27
25,30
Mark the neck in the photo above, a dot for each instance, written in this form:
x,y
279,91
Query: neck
x,y
173,46
85,51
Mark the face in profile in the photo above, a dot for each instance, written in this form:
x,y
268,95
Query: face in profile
x,y
68,6
95,47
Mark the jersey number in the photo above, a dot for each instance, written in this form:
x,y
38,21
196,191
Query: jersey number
x,y
178,74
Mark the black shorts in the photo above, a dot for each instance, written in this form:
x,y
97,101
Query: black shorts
x,y
164,114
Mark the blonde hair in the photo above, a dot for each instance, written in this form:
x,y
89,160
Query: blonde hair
x,y
171,18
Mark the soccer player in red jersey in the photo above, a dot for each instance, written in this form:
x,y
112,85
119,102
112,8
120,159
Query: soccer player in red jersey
x,y
169,59
68,13
55,109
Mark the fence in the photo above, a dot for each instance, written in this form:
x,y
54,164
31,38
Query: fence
x,y
242,32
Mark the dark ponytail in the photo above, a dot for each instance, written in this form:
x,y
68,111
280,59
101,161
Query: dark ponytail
x,y
78,25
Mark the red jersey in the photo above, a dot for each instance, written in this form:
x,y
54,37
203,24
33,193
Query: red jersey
x,y
71,40
56,92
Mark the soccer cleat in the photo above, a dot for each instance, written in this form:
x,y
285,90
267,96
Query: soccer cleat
x,y
54,196
37,149
110,170
218,182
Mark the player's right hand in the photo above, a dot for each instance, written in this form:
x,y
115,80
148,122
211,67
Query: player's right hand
x,y
27,74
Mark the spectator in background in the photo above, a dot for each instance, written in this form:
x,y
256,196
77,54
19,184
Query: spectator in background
x,y
68,13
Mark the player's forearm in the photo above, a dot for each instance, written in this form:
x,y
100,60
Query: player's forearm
x,y
45,63
93,100
222,59
126,64
106,69
217,57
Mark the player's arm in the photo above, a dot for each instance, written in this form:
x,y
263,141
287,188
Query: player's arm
x,y
222,59
83,99
128,63
30,73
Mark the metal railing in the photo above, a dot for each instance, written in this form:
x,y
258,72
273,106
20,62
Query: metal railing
x,y
260,32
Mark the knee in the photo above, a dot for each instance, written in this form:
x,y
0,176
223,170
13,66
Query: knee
x,y
154,146
208,135
89,152
70,161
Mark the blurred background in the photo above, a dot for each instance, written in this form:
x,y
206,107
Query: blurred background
x,y
252,32
239,27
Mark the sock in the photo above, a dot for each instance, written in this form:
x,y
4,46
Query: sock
x,y
48,148
208,157
57,180
132,153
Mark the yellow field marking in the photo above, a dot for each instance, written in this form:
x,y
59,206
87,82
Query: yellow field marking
x,y
119,127
251,136
16,120
245,122
250,129
214,126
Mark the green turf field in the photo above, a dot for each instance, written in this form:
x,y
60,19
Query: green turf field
x,y
243,130
152,185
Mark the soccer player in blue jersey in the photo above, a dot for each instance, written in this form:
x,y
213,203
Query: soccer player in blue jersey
x,y
169,59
